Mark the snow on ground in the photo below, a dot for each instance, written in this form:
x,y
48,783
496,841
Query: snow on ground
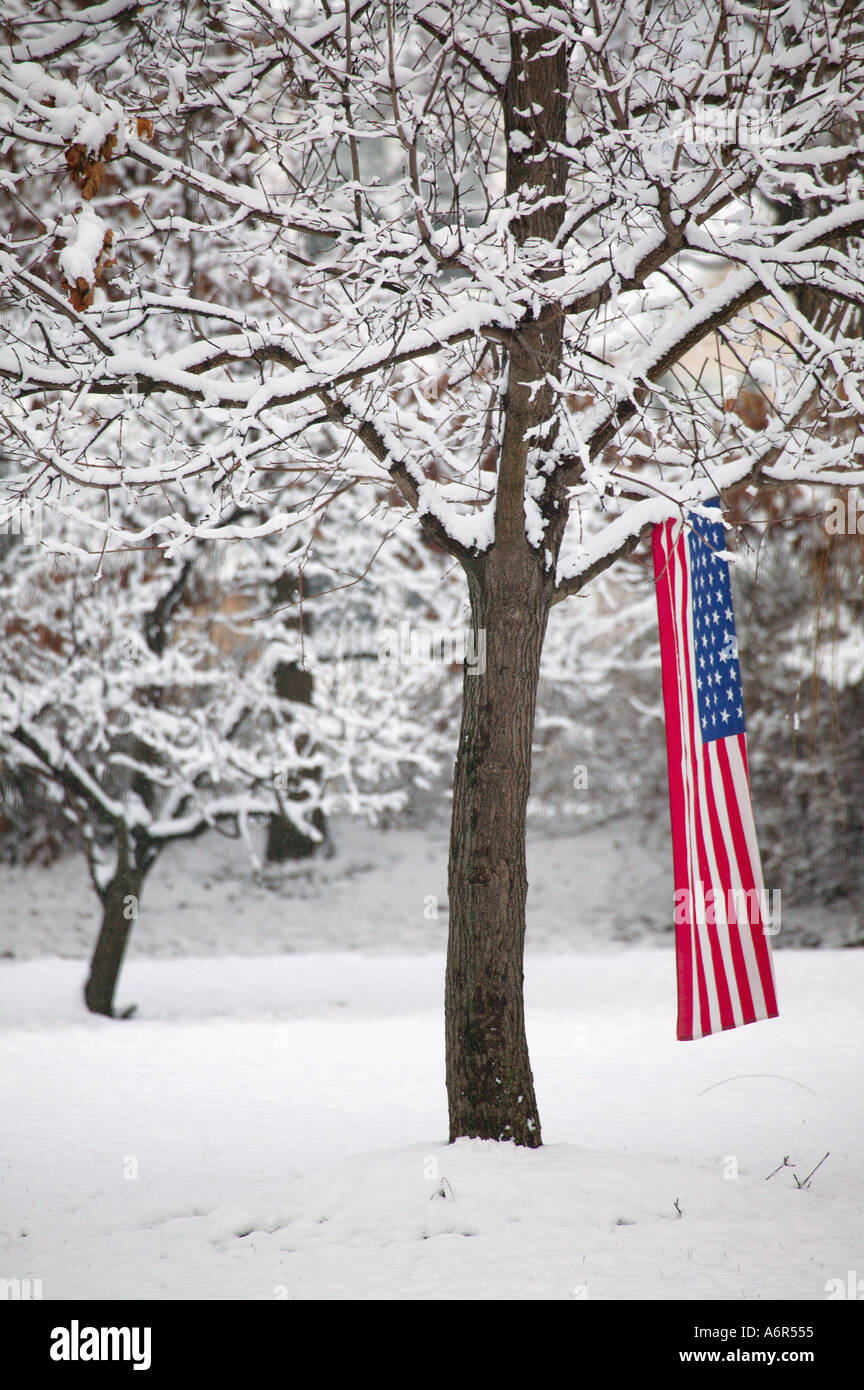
x,y
272,1125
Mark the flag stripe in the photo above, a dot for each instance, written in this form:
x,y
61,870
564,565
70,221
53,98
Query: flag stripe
x,y
688,990
690,941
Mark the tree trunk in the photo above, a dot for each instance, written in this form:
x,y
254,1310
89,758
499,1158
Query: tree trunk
x,y
489,1081
284,839
119,910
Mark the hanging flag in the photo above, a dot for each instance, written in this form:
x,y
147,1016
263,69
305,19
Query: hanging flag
x,y
722,926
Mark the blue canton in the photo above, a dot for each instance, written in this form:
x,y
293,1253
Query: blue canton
x,y
718,676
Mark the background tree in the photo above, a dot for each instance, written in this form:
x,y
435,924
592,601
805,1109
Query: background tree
x,y
480,244
140,695
115,694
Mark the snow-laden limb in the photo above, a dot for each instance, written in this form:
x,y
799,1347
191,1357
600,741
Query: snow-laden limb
x,y
59,763
739,290
73,26
788,453
132,817
149,689
182,372
365,262
653,259
579,564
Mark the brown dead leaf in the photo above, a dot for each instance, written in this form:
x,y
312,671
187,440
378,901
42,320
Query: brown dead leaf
x,y
88,168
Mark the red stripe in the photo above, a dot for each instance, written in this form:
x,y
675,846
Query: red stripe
x,y
674,752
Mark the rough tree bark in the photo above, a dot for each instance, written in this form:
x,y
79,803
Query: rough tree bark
x,y
489,1080
120,900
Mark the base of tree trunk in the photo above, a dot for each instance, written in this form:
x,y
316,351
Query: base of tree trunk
x,y
93,1003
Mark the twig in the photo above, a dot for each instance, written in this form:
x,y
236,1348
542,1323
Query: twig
x,y
809,1175
784,1164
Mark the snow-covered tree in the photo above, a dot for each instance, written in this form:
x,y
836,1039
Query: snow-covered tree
x,y
138,689
116,694
511,255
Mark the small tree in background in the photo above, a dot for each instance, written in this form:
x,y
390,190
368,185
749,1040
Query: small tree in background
x,y
142,697
113,692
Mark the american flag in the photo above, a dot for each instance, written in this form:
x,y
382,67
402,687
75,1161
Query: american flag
x,y
725,977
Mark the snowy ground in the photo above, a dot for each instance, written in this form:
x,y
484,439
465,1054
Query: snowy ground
x,y
270,1123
